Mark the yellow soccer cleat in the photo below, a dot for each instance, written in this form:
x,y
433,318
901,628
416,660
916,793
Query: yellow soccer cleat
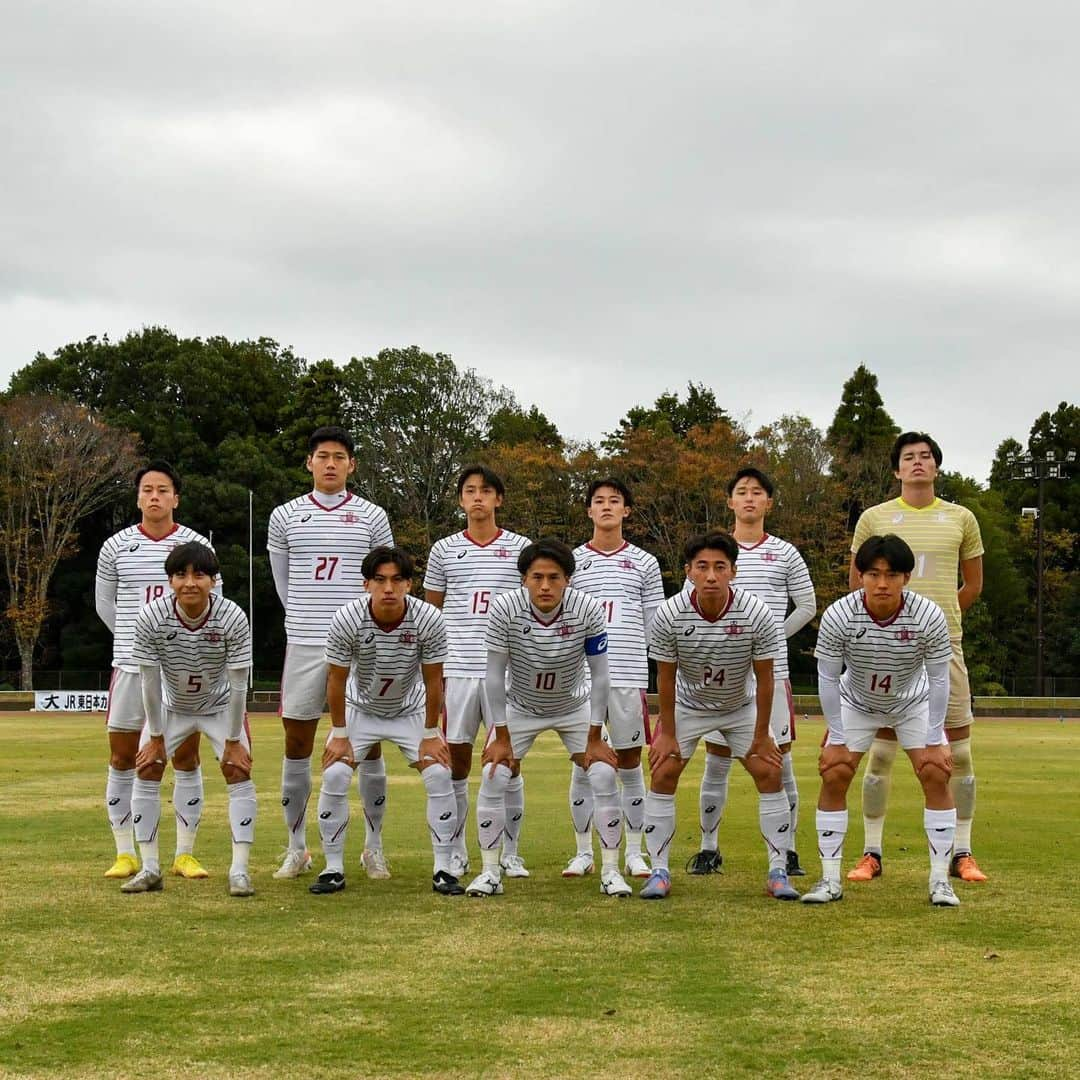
x,y
187,866
125,866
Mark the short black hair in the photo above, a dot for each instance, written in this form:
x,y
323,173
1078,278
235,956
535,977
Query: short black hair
x,y
161,466
376,557
910,438
890,547
547,548
754,474
331,433
611,482
491,478
716,540
198,556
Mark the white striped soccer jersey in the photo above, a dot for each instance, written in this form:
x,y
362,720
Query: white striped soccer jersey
x,y
884,662
194,660
131,571
547,656
470,576
626,582
384,661
714,656
326,549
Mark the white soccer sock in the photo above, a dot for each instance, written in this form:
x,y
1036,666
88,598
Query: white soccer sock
x,y
334,814
940,828
295,792
461,797
608,812
188,807
713,798
832,827
515,814
491,814
659,827
146,816
773,818
791,790
118,807
441,813
875,791
243,809
371,780
633,806
962,786
581,808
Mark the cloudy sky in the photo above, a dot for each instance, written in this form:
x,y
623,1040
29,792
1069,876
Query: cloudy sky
x,y
588,202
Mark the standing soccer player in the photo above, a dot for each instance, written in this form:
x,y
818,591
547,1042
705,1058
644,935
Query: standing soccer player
x,y
389,648
551,639
707,644
948,549
626,580
773,570
465,572
317,545
130,575
894,650
194,655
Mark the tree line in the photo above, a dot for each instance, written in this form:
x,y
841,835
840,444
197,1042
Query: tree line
x,y
234,416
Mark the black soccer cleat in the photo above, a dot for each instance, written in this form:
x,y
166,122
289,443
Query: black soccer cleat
x,y
793,867
705,862
327,882
446,884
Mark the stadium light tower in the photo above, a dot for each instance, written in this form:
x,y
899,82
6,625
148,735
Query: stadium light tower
x,y
1029,466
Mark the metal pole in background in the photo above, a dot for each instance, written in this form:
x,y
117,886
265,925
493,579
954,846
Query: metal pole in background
x,y
251,583
1039,589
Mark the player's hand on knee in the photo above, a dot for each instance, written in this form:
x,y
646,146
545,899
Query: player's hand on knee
x,y
150,760
498,751
434,751
837,764
934,763
235,762
598,750
664,749
338,748
764,752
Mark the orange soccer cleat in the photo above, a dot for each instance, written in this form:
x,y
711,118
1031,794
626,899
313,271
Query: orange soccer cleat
x,y
867,868
966,868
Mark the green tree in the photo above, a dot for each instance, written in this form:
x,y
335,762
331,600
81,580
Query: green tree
x,y
669,415
510,425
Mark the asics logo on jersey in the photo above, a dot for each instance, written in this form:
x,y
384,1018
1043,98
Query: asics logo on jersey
x,y
169,637
860,633
897,518
587,565
687,633
245,822
526,629
306,517
635,736
134,547
462,554
370,638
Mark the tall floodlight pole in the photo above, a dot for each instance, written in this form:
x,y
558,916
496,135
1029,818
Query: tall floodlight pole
x,y
251,583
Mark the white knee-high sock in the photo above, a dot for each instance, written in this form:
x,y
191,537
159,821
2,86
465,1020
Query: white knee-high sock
x,y
940,826
791,790
491,814
773,819
608,812
243,809
832,826
515,814
713,798
371,780
295,792
875,791
461,797
962,786
334,814
659,828
633,807
187,807
118,807
441,813
581,808
146,816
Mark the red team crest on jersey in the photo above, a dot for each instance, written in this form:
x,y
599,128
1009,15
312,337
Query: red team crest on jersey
x,y
213,637
734,630
502,553
905,635
565,631
407,638
349,518
769,556
626,564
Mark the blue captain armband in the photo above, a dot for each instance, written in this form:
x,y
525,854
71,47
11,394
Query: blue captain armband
x,y
594,646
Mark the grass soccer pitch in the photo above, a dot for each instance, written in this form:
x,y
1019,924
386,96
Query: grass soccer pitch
x,y
551,979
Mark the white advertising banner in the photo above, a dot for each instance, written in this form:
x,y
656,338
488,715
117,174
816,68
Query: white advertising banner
x,y
71,700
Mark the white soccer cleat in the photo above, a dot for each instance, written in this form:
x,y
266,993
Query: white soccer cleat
x,y
637,865
612,883
293,865
486,883
459,864
144,881
580,865
513,866
942,895
240,885
824,892
374,862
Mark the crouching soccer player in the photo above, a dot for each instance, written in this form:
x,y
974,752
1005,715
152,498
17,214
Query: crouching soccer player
x,y
707,643
385,655
194,653
894,650
550,638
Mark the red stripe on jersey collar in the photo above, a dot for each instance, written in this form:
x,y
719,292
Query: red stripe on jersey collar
x,y
608,554
717,618
750,547
554,618
892,618
476,543
327,509
157,539
183,621
393,626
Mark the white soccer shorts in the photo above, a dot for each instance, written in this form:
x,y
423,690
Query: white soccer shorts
x,y
303,682
628,718
735,727
860,728
215,726
572,728
125,701
365,730
465,708
781,719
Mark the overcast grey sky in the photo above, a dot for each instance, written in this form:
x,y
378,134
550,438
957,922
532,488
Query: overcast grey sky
x,y
590,203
